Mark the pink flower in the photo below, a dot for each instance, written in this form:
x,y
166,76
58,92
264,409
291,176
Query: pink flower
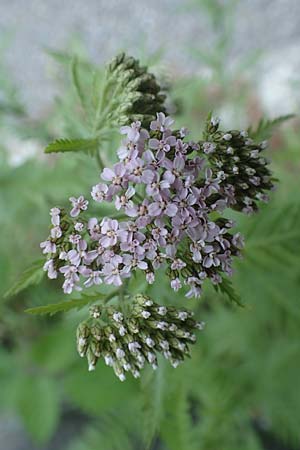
x,y
79,204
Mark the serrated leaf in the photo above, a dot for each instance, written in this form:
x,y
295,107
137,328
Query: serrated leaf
x,y
265,127
72,145
31,276
226,288
77,84
64,306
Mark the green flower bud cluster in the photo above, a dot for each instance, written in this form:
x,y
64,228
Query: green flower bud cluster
x,y
130,339
136,91
239,166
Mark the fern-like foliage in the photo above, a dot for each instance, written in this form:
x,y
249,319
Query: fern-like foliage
x,y
266,127
226,288
72,145
55,308
31,276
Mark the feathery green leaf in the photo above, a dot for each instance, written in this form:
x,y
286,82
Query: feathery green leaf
x,y
226,287
31,276
72,145
65,306
265,127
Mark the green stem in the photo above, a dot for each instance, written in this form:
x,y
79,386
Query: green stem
x,y
99,160
111,295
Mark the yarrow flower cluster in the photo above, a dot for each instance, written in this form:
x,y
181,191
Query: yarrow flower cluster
x,y
171,197
128,341
237,161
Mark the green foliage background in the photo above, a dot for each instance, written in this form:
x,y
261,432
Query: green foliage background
x,y
241,387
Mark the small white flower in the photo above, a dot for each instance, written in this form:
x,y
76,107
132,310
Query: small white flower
x,y
215,121
150,342
164,345
182,315
181,346
161,325
162,310
118,317
151,357
133,347
200,325
136,374
122,330
112,338
175,363
108,360
148,303
146,314
79,226
121,377
227,137
81,341
120,353
91,367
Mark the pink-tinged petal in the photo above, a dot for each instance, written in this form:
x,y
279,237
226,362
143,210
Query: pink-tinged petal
x,y
147,176
130,192
131,210
171,210
168,121
114,225
82,245
105,241
155,209
153,143
179,162
75,211
142,265
85,271
119,169
92,222
164,184
107,174
125,129
148,156
90,256
117,280
171,140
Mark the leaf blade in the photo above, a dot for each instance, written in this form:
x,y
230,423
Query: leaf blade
x,y
265,127
31,276
55,308
72,145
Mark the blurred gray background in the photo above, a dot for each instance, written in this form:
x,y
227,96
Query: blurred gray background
x,y
269,26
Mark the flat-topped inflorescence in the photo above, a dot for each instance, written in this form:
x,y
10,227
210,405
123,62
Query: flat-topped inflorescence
x,y
171,202
127,341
